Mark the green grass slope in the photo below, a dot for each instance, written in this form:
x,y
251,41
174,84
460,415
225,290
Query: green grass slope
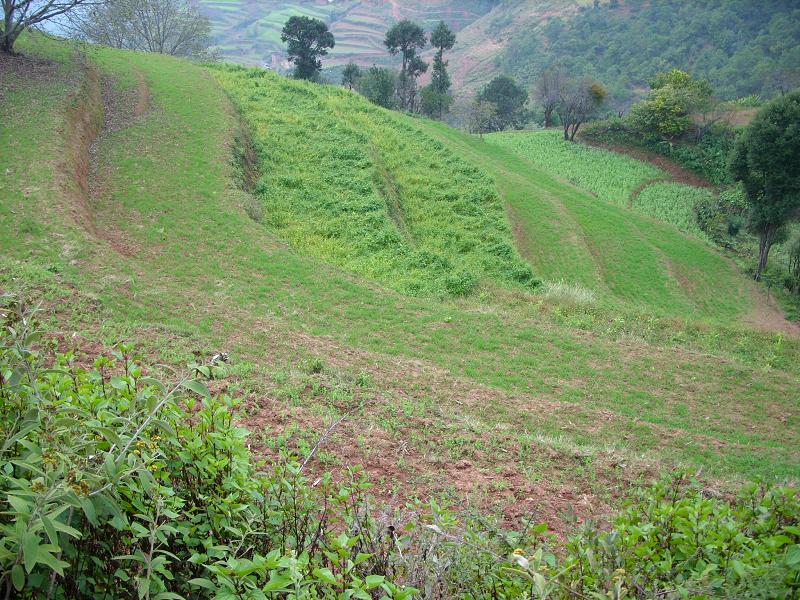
x,y
358,188
501,395
568,234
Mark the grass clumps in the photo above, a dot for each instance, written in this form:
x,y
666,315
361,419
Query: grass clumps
x,y
349,183
608,175
674,203
562,292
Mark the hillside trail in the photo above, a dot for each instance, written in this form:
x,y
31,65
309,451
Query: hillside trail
x,y
121,109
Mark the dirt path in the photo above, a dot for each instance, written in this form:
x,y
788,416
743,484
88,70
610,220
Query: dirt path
x,y
119,112
767,315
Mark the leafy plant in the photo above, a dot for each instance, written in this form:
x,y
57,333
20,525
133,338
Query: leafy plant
x,y
115,485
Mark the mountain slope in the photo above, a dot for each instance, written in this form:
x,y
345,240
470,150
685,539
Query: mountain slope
x,y
248,31
506,396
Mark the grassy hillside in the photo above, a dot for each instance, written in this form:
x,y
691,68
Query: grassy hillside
x,y
610,176
514,400
358,188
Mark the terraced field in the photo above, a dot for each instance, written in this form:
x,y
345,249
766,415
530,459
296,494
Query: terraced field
x,y
248,31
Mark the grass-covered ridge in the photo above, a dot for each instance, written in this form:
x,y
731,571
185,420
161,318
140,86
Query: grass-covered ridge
x,y
543,404
349,183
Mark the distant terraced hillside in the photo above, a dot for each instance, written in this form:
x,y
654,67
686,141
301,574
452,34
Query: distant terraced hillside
x,y
248,31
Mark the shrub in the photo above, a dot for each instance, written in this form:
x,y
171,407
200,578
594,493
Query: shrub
x,y
115,485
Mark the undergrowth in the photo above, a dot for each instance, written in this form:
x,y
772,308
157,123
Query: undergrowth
x,y
115,485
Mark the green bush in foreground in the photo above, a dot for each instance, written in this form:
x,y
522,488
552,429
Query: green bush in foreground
x,y
115,486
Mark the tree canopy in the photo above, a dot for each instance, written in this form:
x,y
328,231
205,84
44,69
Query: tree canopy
x,y
308,39
351,75
766,159
509,99
667,111
19,15
405,38
174,27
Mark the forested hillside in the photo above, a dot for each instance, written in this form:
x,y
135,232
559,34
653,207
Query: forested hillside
x,y
742,46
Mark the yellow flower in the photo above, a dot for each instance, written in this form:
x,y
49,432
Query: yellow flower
x,y
519,551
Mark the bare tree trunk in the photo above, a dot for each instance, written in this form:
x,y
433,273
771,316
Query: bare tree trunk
x,y
8,35
548,118
575,128
765,240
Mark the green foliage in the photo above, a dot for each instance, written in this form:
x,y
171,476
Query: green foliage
x,y
375,195
676,541
674,203
610,176
741,47
509,98
351,76
707,156
766,159
113,483
378,86
406,38
436,97
308,39
667,111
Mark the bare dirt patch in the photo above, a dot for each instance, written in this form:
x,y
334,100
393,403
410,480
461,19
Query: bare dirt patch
x,y
677,173
767,315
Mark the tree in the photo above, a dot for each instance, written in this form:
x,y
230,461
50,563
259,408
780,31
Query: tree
x,y
173,27
766,159
433,103
482,117
578,102
405,38
351,75
19,15
548,92
674,97
436,97
308,40
509,99
416,67
378,85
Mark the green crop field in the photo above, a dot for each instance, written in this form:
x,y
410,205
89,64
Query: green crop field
x,y
355,187
673,203
376,271
609,176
